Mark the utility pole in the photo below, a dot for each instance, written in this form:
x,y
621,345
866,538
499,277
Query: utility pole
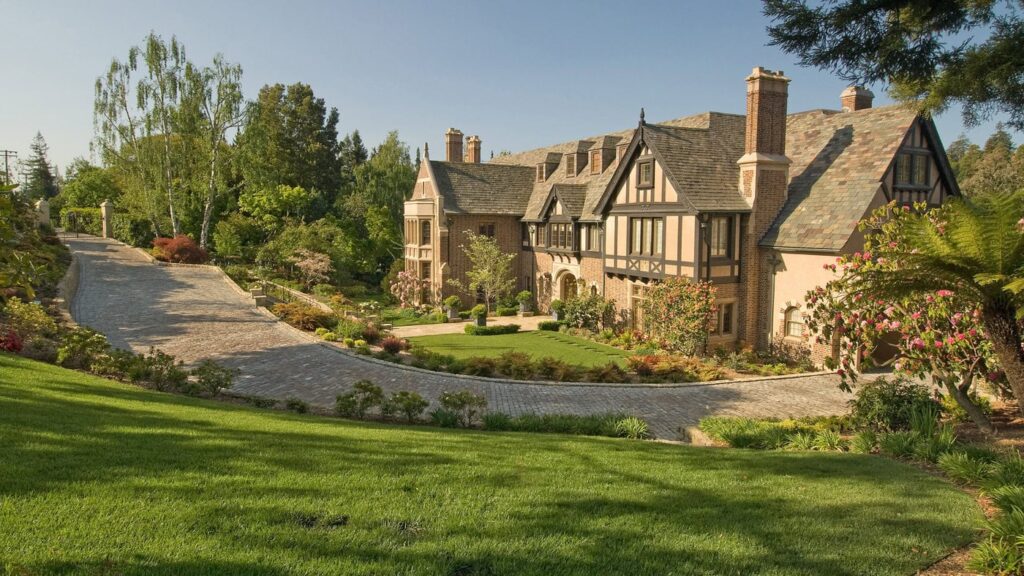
x,y
7,154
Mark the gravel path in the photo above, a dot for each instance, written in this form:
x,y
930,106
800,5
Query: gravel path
x,y
194,313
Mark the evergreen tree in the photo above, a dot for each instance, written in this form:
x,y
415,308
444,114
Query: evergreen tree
x,y
40,181
931,53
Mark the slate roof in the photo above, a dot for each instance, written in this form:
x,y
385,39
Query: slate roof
x,y
701,162
470,188
838,162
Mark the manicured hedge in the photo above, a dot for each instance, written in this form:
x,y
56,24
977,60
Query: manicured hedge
x,y
550,325
475,330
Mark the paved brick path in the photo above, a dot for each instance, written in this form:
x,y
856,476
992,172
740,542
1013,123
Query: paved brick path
x,y
193,313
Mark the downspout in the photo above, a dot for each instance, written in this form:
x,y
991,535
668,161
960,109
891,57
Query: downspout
x,y
604,276
773,260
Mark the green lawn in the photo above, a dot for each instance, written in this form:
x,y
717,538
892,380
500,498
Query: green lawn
x,y
539,344
103,478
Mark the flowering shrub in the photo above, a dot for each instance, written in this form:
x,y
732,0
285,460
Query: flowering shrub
x,y
27,318
937,334
679,313
10,341
592,312
180,249
407,287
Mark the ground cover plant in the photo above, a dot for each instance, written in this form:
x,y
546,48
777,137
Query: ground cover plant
x,y
151,483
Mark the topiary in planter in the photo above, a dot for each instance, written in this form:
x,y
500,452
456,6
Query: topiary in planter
x,y
479,313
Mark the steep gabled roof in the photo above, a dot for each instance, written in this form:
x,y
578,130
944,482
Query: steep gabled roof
x,y
572,197
838,162
470,188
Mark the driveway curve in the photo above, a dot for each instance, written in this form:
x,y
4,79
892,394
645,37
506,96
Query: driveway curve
x,y
195,313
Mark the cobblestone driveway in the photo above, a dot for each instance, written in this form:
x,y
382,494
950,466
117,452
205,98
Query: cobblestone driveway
x,y
193,313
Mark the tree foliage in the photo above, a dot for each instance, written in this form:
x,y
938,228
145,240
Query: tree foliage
x,y
997,168
932,53
490,271
88,186
679,313
40,181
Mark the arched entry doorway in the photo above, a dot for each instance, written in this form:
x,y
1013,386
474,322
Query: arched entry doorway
x,y
567,287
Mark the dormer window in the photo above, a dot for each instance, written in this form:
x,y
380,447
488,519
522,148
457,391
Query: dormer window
x,y
620,152
541,176
595,161
570,165
645,174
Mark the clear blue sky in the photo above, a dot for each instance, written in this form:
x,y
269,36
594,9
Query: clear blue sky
x,y
521,74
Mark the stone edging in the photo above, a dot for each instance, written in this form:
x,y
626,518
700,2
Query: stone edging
x,y
67,289
337,349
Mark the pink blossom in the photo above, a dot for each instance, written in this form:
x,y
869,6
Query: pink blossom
x,y
895,325
972,332
917,344
944,293
938,343
960,336
892,244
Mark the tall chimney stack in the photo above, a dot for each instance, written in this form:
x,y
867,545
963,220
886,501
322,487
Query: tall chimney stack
x,y
767,93
453,145
856,98
473,149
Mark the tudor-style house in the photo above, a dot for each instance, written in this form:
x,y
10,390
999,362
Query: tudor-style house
x,y
754,203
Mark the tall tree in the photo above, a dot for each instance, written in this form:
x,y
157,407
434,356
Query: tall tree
x,y
40,181
933,53
135,114
290,138
214,95
88,186
490,270
998,167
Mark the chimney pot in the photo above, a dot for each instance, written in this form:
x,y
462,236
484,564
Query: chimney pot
x,y
453,145
856,98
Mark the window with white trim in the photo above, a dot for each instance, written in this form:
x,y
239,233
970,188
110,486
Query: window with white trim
x,y
794,322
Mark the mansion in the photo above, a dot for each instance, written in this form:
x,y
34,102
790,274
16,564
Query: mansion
x,y
754,203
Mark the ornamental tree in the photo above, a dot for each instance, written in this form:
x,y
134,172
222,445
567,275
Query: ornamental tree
x,y
680,313
939,334
313,267
407,287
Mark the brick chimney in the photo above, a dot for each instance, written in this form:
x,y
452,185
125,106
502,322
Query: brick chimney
x,y
453,145
764,180
473,149
856,98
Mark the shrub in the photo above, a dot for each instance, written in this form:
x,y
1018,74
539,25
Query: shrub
x,y
516,365
1007,471
359,343
995,556
324,290
296,405
464,315
829,441
409,404
371,334
900,444
801,441
27,319
392,344
133,231
632,427
212,377
10,341
160,370
956,413
347,328
550,325
479,366
679,313
466,404
610,373
321,331
36,348
303,316
329,337
887,405
1006,498
261,402
181,249
930,448
474,330
524,297
444,418
363,396
557,306
478,311
642,365
965,468
558,370
507,311
864,442
587,311
81,348
589,425
453,302
349,343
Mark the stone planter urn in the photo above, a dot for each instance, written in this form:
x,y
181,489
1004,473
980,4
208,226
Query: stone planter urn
x,y
554,315
453,314
481,320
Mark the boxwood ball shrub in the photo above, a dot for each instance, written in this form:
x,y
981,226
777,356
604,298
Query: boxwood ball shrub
x,y
453,303
478,311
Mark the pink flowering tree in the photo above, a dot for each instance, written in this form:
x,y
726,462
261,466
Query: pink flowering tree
x,y
939,333
407,287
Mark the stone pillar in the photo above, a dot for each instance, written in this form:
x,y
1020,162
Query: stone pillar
x,y
107,214
43,212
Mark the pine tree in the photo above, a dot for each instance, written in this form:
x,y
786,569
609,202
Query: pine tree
x,y
39,181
